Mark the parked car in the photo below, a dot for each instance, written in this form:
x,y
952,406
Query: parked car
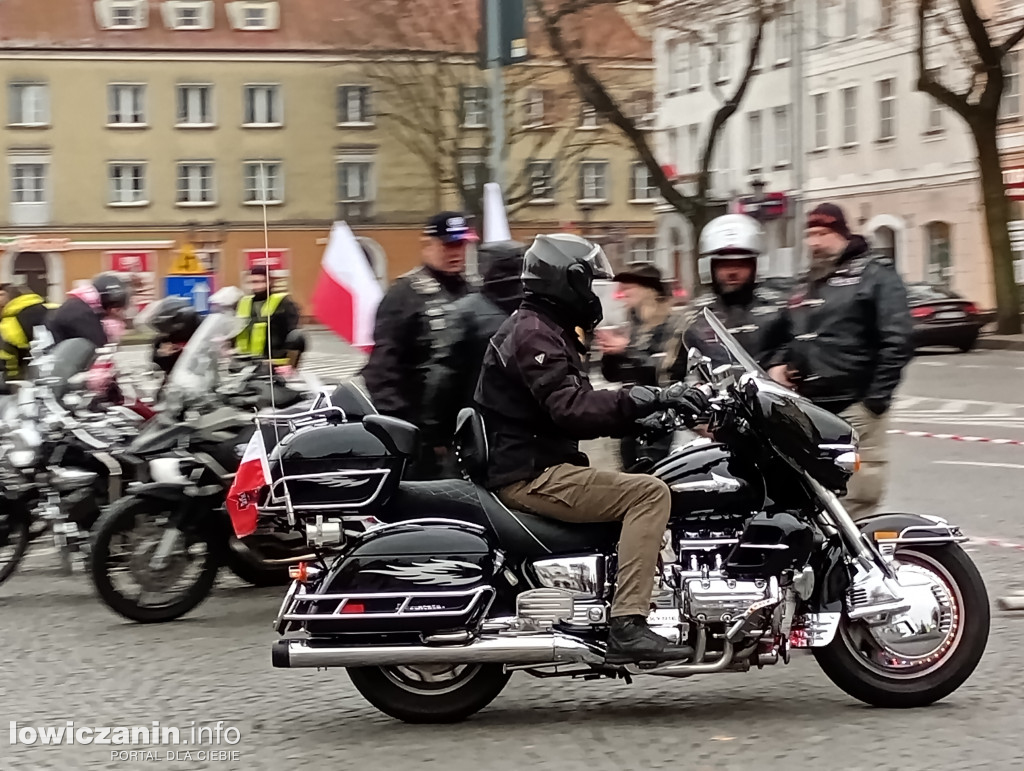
x,y
942,317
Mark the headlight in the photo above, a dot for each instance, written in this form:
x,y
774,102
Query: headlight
x,y
843,455
167,471
25,441
21,458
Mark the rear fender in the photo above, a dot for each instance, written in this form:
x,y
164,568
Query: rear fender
x,y
893,529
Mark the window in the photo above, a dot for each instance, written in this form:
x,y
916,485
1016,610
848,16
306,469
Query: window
x,y
694,64
255,17
594,181
588,116
695,150
783,140
888,15
355,178
472,173
127,105
849,116
125,15
821,21
940,257
641,185
474,106
934,125
264,182
195,183
127,184
820,121
850,18
29,190
783,38
886,109
676,66
720,56
672,154
195,105
263,105
354,104
1010,106
756,140
542,180
29,104
642,248
534,103
188,16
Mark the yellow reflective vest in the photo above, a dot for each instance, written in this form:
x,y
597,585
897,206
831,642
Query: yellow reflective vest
x,y
15,337
252,340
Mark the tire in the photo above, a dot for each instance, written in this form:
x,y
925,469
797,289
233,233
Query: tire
x,y
14,538
476,687
121,517
254,572
883,686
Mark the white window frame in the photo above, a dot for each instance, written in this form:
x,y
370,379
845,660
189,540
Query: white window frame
x,y
693,64
783,39
934,124
676,54
470,166
112,111
601,182
850,130
255,13
755,140
18,98
180,93
641,193
887,8
1011,75
369,160
475,96
117,197
137,10
851,18
882,101
693,142
179,167
720,56
821,20
30,213
344,102
819,120
542,199
532,117
275,105
783,131
649,250
251,173
589,120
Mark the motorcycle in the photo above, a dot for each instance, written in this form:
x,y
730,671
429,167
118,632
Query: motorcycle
x,y
170,535
432,611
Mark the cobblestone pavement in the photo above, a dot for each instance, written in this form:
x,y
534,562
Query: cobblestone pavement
x,y
66,657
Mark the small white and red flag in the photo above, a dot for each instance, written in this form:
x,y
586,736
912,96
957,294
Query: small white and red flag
x,y
347,293
253,475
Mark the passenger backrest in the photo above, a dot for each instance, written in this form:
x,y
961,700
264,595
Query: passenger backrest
x,y
471,444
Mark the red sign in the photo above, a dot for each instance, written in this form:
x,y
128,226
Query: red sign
x,y
130,262
266,259
774,206
1013,180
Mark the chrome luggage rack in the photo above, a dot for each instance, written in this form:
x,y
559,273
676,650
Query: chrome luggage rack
x,y
315,415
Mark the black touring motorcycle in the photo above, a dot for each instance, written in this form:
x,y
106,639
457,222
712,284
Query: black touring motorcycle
x,y
434,608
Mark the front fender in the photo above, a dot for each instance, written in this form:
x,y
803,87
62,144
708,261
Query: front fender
x,y
900,528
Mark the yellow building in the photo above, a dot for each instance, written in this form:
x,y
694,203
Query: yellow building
x,y
135,127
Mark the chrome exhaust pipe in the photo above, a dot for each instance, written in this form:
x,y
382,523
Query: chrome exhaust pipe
x,y
526,649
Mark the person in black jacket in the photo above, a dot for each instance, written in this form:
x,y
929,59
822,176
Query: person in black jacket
x,y
847,340
537,403
82,314
175,321
453,372
413,319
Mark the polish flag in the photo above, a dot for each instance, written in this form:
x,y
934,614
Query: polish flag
x,y
253,475
347,292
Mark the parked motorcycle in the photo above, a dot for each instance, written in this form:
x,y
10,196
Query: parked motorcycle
x,y
432,612
156,554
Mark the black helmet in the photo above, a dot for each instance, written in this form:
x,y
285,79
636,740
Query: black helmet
x,y
560,269
174,318
501,268
113,293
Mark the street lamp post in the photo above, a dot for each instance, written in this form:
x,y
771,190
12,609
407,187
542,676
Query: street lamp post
x,y
758,185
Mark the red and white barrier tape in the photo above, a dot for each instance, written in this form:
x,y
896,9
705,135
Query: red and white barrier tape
x,y
999,543
956,438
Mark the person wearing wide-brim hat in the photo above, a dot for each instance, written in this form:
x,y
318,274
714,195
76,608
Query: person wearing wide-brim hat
x,y
646,352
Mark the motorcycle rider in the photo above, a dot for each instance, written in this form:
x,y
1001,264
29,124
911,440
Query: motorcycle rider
x,y
847,332
537,403
455,368
87,309
729,247
21,311
271,316
175,321
413,319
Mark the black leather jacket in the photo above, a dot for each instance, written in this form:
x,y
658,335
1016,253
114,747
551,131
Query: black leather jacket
x,y
752,317
847,334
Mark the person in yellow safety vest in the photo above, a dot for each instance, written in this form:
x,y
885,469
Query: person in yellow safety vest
x,y
21,312
255,339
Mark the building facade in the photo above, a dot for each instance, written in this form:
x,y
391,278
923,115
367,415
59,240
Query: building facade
x,y
136,128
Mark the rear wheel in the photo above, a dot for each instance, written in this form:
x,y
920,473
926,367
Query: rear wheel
x,y
925,654
435,693
247,565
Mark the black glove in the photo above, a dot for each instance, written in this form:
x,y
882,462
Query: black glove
x,y
689,401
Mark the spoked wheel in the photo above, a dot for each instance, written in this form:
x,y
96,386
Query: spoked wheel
x,y
430,693
925,653
129,577
14,538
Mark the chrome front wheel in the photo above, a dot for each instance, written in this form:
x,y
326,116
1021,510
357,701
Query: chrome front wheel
x,y
923,654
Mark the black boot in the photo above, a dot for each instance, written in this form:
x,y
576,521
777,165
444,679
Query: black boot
x,y
631,641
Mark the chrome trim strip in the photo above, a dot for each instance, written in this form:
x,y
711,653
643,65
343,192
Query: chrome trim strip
x,y
281,502
475,596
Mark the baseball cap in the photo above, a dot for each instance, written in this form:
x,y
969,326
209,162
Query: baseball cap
x,y
450,227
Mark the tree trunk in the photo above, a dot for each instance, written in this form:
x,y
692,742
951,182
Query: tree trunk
x,y
997,216
698,220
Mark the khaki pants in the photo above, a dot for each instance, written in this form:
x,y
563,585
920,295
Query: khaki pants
x,y
867,486
581,494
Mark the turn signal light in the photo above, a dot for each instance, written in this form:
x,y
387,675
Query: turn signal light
x,y
849,461
298,572
885,535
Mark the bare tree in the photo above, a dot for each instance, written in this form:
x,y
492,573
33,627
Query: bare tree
x,y
956,25
565,24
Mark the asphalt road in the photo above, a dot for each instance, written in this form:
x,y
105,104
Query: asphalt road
x,y
65,657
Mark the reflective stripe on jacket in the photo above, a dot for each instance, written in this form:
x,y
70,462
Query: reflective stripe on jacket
x,y
16,338
252,340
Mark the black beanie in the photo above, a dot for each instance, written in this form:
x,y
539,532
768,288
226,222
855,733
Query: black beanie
x,y
830,216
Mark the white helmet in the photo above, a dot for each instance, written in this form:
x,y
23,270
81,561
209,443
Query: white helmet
x,y
731,236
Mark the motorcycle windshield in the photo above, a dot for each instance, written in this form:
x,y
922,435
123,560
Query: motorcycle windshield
x,y
197,370
725,348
